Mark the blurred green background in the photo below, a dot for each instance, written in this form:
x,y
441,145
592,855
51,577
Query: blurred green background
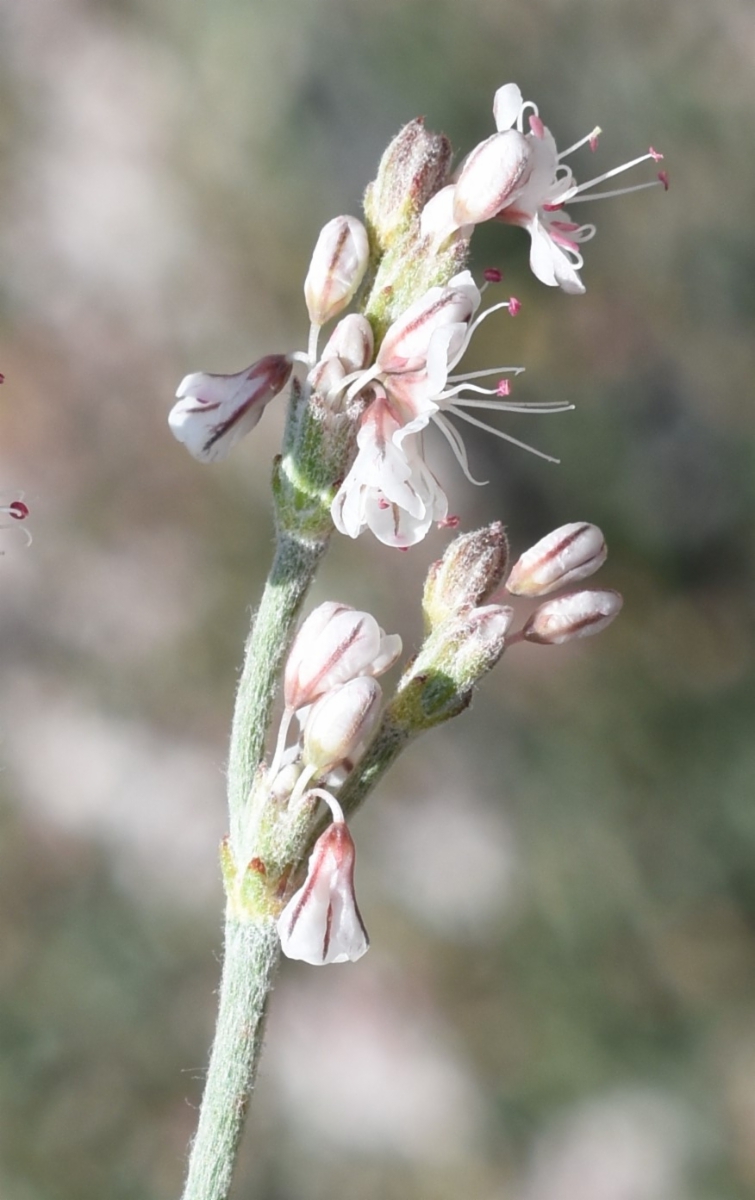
x,y
560,888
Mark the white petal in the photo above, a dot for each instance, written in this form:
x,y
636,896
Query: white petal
x,y
507,104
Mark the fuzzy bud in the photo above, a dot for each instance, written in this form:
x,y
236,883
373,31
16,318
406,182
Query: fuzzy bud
x,y
215,411
491,177
468,573
413,168
574,615
339,261
339,725
564,556
321,922
336,643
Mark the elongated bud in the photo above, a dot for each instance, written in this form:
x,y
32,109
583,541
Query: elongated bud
x,y
564,556
340,724
339,261
414,166
352,341
491,177
467,575
321,922
336,643
215,411
405,345
575,615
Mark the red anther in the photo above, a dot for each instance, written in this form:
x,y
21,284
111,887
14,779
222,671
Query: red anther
x,y
503,388
655,154
514,306
2,379
451,522
18,510
492,275
663,176
537,127
593,142
383,503
403,549
552,207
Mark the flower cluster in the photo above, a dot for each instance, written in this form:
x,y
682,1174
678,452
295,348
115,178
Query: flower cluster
x,y
330,685
397,384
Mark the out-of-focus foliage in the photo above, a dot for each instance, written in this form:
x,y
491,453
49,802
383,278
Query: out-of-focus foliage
x,y
560,888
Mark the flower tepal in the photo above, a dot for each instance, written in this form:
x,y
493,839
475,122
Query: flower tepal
x,y
215,411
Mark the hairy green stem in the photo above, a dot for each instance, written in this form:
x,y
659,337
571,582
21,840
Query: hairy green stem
x,y
293,570
252,952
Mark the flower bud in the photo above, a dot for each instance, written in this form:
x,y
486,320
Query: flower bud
x,y
336,643
575,615
321,922
352,341
467,574
339,725
339,261
215,411
491,177
413,168
564,556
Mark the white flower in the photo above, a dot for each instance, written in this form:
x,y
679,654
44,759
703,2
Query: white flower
x,y
215,411
521,179
389,489
340,724
321,922
339,261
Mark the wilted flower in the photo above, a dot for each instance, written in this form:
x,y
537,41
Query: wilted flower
x,y
321,922
215,411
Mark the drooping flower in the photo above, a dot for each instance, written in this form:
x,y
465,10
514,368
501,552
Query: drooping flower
x,y
321,922
215,411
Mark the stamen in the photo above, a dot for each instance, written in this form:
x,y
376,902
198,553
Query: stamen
x,y
567,196
492,275
456,442
523,406
637,187
514,306
450,522
537,127
592,138
505,436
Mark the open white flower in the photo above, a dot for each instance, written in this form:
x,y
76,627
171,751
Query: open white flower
x,y
521,179
390,488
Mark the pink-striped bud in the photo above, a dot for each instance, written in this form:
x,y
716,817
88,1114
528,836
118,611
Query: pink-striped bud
x,y
321,922
564,556
339,261
491,177
215,411
336,643
575,615
352,341
340,724
405,345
